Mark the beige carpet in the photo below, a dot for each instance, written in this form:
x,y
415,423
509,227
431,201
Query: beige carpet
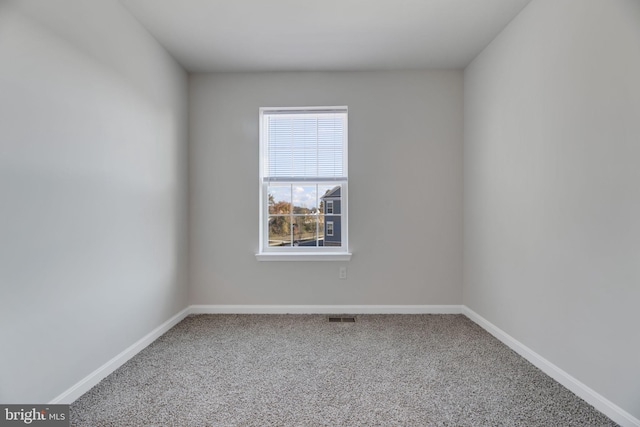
x,y
302,370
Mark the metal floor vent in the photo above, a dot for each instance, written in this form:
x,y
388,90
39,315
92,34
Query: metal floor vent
x,y
342,319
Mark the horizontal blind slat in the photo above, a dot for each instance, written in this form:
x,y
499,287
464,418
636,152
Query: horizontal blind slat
x,y
290,179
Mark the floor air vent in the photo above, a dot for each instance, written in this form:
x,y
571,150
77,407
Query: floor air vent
x,y
342,319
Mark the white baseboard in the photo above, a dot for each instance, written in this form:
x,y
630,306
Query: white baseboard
x,y
589,395
325,309
99,374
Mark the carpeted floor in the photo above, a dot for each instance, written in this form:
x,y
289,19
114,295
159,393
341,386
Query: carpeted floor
x,y
301,370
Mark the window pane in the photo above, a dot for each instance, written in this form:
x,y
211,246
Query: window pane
x,y
279,198
332,230
305,230
305,199
279,231
332,194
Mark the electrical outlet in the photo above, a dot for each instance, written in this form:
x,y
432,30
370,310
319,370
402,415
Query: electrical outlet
x,y
342,273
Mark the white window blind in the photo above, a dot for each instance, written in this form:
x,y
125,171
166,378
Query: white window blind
x,y
305,146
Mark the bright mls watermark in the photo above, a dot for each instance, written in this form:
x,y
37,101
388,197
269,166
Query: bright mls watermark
x,y
34,415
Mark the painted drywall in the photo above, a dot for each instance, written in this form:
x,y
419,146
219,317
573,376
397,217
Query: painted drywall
x,y
93,223
405,189
552,194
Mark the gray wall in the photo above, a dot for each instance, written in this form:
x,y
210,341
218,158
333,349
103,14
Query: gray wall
x,y
552,189
93,230
405,189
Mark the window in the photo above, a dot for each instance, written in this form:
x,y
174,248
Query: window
x,y
329,206
303,183
329,228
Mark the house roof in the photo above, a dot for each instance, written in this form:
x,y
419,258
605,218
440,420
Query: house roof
x,y
333,193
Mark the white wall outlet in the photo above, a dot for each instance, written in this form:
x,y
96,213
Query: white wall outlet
x,y
342,273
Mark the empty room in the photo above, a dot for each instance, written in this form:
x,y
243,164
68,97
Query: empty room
x,y
346,213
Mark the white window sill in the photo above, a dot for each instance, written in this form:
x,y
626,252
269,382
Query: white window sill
x,y
291,256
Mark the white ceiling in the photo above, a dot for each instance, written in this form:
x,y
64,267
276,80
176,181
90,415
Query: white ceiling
x,y
301,35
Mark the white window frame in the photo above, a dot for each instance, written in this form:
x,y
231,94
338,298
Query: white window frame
x,y
301,253
329,207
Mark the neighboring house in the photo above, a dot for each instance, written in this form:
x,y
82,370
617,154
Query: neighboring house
x,y
332,217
